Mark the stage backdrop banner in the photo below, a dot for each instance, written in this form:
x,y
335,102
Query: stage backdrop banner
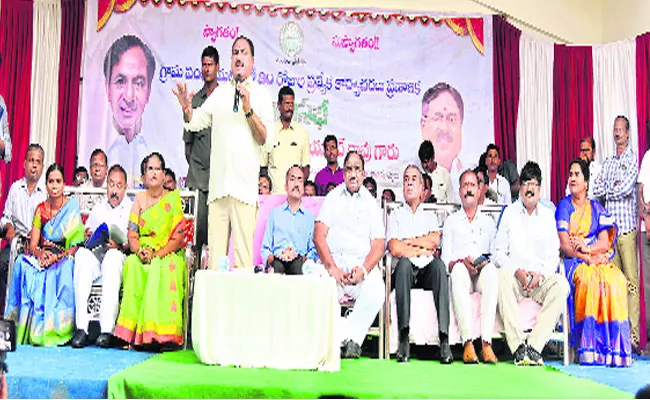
x,y
361,76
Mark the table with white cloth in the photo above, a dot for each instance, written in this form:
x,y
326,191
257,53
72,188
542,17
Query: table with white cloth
x,y
266,320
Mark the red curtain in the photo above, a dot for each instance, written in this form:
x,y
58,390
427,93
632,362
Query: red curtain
x,y
506,86
15,82
643,118
573,114
72,24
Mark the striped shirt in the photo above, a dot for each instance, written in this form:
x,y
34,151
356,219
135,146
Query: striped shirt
x,y
616,182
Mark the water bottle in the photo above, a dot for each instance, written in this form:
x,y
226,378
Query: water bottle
x,y
223,264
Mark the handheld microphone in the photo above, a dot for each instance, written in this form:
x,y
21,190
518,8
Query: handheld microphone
x,y
235,106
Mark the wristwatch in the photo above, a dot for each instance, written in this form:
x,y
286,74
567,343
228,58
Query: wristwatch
x,y
249,114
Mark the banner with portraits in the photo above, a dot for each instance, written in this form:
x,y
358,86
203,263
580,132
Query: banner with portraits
x,y
380,82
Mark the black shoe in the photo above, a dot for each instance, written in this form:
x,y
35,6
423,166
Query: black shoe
x,y
520,355
79,339
105,341
404,348
350,349
445,351
171,346
534,356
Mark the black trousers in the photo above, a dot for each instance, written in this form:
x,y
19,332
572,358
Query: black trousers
x,y
201,233
433,277
4,269
289,268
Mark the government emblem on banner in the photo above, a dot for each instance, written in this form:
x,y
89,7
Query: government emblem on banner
x,y
291,39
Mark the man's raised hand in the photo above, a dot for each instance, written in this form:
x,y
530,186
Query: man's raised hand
x,y
183,95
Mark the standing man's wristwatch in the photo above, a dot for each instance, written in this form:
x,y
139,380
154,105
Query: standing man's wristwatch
x,y
249,114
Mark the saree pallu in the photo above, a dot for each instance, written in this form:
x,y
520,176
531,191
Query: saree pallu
x,y
41,301
152,301
600,328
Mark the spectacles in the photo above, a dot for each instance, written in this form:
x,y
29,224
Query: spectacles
x,y
530,184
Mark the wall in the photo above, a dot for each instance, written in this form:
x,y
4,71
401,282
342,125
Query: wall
x,y
625,19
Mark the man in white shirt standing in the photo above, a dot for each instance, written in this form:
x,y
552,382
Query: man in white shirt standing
x,y
105,261
527,250
414,235
98,173
588,154
239,134
24,195
441,186
496,182
349,237
466,245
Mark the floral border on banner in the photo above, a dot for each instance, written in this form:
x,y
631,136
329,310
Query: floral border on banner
x,y
472,27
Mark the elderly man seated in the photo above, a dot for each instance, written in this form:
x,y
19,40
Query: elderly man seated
x,y
349,237
467,239
414,235
527,250
24,196
105,260
288,238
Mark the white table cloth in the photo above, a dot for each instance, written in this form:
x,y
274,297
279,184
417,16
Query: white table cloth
x,y
266,320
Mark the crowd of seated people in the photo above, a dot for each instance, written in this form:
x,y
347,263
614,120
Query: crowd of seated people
x,y
500,258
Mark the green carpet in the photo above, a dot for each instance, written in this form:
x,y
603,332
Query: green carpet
x,y
180,375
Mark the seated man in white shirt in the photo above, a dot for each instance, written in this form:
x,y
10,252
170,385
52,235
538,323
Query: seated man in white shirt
x,y
24,195
414,235
349,237
496,182
527,250
105,261
466,244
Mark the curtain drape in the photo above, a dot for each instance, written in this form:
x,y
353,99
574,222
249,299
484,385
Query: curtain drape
x,y
506,86
573,116
535,116
16,19
614,94
72,18
45,75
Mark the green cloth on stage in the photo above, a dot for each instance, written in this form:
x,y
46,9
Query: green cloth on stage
x,y
181,375
152,303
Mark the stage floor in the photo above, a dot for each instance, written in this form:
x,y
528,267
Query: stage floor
x,y
96,373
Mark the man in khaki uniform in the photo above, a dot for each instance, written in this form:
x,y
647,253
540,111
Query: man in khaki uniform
x,y
291,145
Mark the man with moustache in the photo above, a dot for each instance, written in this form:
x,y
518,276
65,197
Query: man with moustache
x,y
467,241
238,136
129,67
289,236
496,182
443,113
331,173
527,250
616,185
291,145
197,145
414,236
98,173
105,261
349,237
17,217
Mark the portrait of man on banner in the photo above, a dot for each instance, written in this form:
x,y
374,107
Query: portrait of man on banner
x,y
129,67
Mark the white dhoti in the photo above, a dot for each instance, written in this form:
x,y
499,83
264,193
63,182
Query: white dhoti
x,y
369,296
486,283
87,270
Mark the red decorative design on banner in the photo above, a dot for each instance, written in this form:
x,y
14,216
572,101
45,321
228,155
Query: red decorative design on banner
x,y
472,27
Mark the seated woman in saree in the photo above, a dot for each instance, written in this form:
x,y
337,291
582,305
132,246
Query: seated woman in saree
x,y
153,278
600,329
41,297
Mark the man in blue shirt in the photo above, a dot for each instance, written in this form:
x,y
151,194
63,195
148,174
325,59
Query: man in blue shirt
x,y
288,239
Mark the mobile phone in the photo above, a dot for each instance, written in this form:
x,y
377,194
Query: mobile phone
x,y
479,260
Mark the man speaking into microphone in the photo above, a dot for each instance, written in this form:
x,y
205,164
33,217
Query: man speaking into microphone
x,y
239,131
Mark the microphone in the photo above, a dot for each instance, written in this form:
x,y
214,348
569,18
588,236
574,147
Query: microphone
x,y
235,106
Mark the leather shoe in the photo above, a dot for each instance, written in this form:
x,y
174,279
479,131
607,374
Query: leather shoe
x,y
79,339
445,351
105,341
350,349
404,348
488,354
469,354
